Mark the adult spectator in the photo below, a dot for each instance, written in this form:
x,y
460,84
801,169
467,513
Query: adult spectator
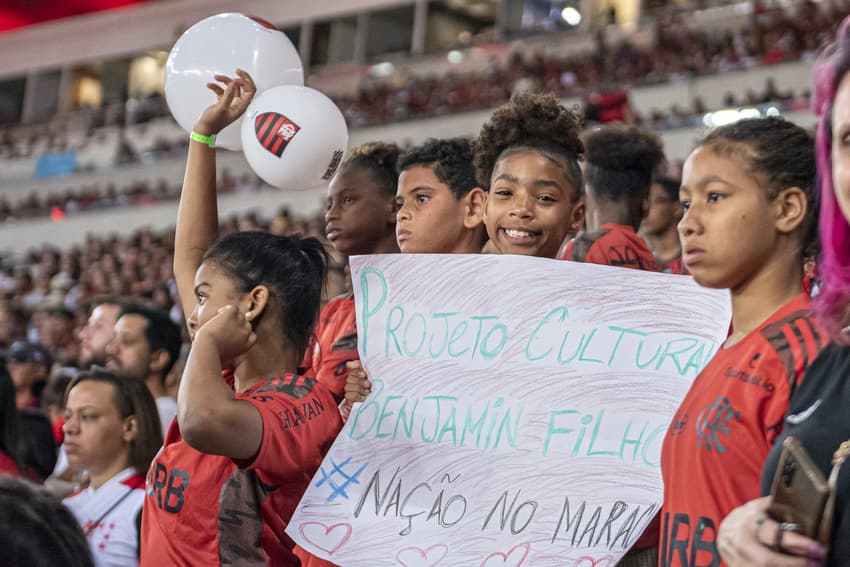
x,y
56,332
113,432
98,332
12,324
28,365
145,347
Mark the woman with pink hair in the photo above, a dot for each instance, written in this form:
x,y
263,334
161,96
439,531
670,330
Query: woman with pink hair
x,y
817,416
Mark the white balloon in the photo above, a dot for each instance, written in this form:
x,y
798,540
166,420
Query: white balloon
x,y
219,45
294,137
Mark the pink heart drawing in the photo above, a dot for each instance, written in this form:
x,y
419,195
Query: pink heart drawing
x,y
513,558
416,557
606,561
327,538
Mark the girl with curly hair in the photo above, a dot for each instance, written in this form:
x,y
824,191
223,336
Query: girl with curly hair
x,y
527,158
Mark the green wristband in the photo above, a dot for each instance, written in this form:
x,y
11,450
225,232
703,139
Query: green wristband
x,y
208,140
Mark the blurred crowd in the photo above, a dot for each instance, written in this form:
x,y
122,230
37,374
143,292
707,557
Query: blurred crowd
x,y
612,106
676,53
45,297
97,197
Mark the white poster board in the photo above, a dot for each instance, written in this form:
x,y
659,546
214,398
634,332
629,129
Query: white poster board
x,y
517,414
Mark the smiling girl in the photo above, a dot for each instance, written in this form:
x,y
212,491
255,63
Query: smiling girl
x,y
527,156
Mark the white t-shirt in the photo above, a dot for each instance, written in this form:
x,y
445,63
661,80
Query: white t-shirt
x,y
167,407
113,535
61,461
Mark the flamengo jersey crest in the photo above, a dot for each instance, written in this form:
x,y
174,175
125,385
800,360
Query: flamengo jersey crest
x,y
275,131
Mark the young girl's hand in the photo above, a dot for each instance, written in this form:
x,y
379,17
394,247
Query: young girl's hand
x,y
232,102
229,331
357,386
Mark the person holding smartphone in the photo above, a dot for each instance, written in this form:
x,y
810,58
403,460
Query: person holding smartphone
x,y
817,415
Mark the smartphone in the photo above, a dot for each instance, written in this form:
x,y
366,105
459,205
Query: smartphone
x,y
800,492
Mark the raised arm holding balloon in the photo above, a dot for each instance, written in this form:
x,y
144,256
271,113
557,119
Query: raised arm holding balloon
x,y
197,215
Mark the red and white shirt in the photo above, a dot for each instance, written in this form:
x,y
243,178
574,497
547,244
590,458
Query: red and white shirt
x,y
113,534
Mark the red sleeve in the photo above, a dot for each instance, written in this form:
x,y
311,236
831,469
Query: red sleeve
x,y
337,344
306,366
300,422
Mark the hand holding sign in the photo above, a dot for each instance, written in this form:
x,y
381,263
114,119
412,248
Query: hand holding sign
x,y
508,426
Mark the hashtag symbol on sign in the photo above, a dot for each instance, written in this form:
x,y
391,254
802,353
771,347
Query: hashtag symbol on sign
x,y
338,487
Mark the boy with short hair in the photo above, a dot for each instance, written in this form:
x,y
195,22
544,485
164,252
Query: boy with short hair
x,y
439,203
618,174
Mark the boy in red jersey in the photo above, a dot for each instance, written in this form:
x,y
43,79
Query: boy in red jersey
x,y
618,173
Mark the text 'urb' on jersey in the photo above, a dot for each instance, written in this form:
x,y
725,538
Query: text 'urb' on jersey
x,y
204,509
723,430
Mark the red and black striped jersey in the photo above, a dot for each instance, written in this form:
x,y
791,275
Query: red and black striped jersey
x,y
333,345
717,442
611,245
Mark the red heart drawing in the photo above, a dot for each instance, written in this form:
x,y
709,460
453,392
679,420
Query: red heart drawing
x,y
327,538
512,558
416,557
606,561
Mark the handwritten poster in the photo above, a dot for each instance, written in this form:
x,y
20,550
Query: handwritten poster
x,y
517,411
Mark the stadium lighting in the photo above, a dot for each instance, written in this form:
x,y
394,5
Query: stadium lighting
x,y
730,115
384,69
571,16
